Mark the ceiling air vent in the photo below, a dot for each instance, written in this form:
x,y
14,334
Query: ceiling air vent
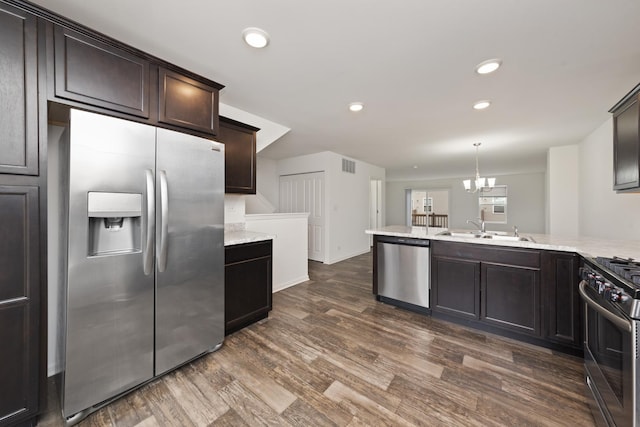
x,y
348,166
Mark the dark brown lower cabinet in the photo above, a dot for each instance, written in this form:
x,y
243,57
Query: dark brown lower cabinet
x,y
521,293
561,298
19,304
248,284
510,297
455,286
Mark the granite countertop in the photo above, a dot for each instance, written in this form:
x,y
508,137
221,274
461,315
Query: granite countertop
x,y
238,237
586,246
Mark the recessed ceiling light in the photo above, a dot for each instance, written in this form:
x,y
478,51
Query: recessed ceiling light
x,y
356,106
255,37
415,166
488,66
481,105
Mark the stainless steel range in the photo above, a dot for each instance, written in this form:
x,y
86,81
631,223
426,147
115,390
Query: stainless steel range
x,y
610,290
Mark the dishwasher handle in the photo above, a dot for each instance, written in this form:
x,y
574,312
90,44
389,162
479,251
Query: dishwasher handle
x,y
409,241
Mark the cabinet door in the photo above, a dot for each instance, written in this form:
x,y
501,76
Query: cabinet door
x,y
18,92
510,297
240,156
455,287
626,146
560,292
95,73
19,303
248,284
187,103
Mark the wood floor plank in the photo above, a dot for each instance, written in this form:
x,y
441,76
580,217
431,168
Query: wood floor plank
x,y
249,407
381,397
301,413
195,396
331,355
261,385
229,419
379,414
164,406
130,410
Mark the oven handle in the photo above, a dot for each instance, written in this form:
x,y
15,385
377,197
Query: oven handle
x,y
620,322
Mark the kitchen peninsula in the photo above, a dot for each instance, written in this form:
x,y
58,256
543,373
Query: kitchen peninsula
x,y
525,289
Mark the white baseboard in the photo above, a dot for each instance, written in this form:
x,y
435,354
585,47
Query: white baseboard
x,y
290,283
333,261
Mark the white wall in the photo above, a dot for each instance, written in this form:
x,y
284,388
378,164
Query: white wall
x,y
346,201
440,201
267,179
603,213
290,263
234,208
526,203
563,217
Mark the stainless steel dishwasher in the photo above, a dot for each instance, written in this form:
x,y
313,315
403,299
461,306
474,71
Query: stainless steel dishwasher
x,y
403,271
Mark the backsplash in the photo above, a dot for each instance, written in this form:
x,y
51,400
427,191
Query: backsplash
x,y
234,208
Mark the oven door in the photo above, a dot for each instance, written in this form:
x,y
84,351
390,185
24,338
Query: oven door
x,y
609,359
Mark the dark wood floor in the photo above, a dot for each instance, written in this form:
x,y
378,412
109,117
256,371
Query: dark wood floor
x,y
329,354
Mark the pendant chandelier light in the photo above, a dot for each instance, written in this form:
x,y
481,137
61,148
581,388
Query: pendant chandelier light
x,y
480,183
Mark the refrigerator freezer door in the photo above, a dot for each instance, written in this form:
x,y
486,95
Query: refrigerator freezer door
x,y
109,325
189,248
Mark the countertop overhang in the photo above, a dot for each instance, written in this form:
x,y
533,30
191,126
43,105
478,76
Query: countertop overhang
x,y
585,246
239,237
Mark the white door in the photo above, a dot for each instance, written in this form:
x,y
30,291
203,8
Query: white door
x,y
305,193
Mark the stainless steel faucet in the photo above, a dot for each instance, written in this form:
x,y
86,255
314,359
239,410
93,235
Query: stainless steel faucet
x,y
480,226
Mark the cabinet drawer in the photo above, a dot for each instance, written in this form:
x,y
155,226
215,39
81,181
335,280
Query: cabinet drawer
x,y
243,252
95,73
187,103
487,253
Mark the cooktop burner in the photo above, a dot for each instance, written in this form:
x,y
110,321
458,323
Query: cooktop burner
x,y
625,268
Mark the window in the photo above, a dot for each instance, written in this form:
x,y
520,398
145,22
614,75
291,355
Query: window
x,y
493,204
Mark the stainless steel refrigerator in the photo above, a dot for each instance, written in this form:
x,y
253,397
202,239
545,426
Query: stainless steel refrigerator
x,y
145,256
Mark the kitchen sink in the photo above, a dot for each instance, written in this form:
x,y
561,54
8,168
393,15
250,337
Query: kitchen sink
x,y
509,238
464,234
487,235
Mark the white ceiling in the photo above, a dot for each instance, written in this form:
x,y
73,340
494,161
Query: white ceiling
x,y
565,63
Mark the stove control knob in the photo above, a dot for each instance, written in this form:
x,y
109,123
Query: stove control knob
x,y
600,285
614,295
618,295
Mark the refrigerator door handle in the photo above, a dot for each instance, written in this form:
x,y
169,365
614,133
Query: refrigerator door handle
x,y
164,221
147,259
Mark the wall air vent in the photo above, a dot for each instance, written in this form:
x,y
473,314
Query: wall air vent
x,y
348,166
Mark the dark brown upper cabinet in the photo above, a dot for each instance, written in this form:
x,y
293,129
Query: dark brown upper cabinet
x,y
95,73
187,103
240,156
18,92
626,142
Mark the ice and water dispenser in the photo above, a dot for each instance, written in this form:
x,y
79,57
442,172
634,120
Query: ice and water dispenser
x,y
114,223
